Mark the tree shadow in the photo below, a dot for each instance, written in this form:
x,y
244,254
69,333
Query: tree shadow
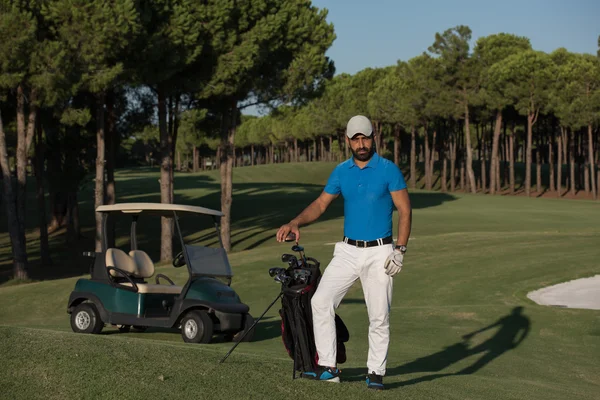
x,y
258,210
512,329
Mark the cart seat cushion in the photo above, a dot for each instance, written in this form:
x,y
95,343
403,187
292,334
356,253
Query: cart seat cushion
x,y
145,266
151,288
119,259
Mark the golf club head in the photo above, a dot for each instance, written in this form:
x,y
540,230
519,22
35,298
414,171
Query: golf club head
x,y
275,271
291,237
287,257
297,248
282,278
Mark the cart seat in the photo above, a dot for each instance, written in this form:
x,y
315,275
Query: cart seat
x,y
117,258
143,262
138,265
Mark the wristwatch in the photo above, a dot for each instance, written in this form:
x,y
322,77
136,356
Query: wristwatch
x,y
401,247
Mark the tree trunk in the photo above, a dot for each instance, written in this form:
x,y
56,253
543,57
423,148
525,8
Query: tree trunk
x,y
18,246
432,159
226,171
483,160
511,160
330,158
530,122
462,175
194,159
551,161
495,164
559,154
296,158
24,138
427,155
174,117
572,161
100,154
470,173
397,145
166,236
41,200
251,155
453,163
111,146
444,184
413,158
538,165
592,162
322,149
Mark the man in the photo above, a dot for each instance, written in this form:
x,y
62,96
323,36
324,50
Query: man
x,y
371,187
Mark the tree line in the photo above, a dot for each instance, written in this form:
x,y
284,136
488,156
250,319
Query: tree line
x,y
466,116
79,79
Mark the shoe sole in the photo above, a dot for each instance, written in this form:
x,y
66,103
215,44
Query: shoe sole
x,y
334,380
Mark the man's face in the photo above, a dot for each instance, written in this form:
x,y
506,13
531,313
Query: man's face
x,y
362,147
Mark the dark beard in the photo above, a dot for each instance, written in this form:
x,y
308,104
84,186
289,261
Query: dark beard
x,y
364,157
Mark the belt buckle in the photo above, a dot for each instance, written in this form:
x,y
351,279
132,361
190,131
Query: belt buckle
x,y
364,243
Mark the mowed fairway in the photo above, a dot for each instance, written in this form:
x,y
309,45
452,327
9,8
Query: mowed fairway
x,y
471,261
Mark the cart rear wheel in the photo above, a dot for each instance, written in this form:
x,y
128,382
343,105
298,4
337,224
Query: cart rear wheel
x,y
86,319
197,327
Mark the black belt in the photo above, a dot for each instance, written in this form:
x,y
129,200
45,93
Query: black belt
x,y
372,243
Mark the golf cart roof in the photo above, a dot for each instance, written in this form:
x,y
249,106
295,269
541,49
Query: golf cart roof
x,y
156,208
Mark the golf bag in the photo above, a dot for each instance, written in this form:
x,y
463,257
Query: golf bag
x,y
296,318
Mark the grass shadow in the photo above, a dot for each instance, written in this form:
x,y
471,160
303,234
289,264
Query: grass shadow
x,y
512,329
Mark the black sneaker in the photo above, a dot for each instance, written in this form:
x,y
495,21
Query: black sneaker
x,y
375,381
326,374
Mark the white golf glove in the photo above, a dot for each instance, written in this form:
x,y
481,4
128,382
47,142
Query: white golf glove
x,y
393,264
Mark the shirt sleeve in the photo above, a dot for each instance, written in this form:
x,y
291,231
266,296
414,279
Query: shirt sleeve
x,y
396,179
333,186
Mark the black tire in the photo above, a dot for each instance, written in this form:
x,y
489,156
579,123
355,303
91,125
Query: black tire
x,y
138,328
86,319
248,321
197,327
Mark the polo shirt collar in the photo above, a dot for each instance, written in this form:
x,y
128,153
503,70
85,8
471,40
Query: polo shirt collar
x,y
373,162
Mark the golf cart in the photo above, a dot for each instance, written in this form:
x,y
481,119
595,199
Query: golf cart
x,y
120,292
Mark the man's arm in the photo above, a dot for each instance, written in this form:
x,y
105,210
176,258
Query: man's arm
x,y
402,203
310,214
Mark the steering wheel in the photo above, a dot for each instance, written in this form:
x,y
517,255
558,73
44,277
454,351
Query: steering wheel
x,y
179,260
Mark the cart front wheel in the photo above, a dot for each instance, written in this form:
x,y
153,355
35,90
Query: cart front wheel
x,y
197,327
86,319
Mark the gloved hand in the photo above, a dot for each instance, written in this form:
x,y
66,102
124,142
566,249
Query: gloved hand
x,y
393,264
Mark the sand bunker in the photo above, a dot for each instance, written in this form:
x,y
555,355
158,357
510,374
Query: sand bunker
x,y
578,293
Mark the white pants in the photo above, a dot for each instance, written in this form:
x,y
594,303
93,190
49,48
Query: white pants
x,y
350,263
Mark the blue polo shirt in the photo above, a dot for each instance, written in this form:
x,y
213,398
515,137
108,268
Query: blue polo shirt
x,y
368,205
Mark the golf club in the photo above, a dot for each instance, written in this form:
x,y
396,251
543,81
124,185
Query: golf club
x,y
290,259
281,277
300,251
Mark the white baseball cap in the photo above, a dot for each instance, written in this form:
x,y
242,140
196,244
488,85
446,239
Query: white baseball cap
x,y
359,124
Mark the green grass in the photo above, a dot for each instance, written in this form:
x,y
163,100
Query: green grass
x,y
472,260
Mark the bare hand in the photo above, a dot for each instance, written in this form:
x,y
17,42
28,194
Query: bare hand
x,y
286,229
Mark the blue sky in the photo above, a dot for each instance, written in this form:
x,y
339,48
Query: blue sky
x,y
377,33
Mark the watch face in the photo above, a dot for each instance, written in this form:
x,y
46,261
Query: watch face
x,y
402,248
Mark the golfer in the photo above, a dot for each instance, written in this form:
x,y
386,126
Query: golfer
x,y
371,187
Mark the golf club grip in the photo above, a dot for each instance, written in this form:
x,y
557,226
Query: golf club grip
x,y
249,329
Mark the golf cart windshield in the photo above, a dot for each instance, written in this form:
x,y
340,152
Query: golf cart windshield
x,y
208,261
